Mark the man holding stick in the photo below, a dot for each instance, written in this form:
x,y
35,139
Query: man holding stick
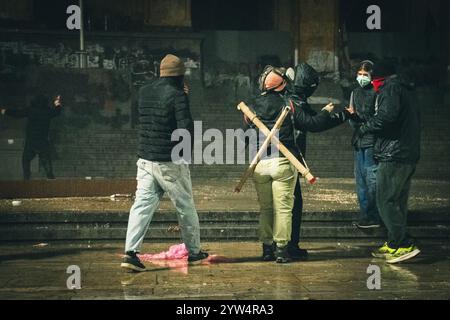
x,y
275,176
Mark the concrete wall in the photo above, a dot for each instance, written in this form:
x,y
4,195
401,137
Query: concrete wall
x,y
313,25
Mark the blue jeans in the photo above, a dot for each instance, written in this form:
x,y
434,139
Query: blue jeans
x,y
366,184
153,180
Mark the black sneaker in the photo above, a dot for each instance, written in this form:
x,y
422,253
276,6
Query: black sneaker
x,y
282,255
297,253
367,224
132,262
268,252
197,257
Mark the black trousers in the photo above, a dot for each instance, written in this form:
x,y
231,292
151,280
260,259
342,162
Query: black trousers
x,y
297,212
42,149
393,185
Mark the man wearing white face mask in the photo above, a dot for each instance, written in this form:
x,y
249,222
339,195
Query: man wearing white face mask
x,y
362,100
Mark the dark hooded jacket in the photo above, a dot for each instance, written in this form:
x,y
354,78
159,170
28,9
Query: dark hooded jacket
x,y
396,124
363,100
39,116
268,108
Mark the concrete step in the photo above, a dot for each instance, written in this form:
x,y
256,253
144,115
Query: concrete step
x,y
50,226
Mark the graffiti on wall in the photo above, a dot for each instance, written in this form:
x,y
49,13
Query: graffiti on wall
x,y
105,93
142,62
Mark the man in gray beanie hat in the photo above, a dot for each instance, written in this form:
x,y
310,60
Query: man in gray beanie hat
x,y
163,108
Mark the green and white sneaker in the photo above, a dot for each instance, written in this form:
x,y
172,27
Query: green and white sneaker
x,y
382,251
402,254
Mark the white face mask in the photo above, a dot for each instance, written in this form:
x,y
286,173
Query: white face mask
x,y
363,80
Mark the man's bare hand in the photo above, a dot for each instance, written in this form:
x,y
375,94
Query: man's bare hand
x,y
57,101
350,109
186,89
2,111
329,107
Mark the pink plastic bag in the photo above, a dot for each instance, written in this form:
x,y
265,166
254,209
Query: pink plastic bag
x,y
175,252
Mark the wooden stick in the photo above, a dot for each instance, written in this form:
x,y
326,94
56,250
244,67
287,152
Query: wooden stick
x,y
253,118
262,149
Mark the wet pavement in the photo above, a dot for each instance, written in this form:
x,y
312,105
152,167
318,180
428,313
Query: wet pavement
x,y
334,270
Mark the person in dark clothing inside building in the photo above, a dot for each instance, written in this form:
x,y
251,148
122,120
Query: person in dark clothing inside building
x,y
397,126
362,101
275,177
304,82
163,108
39,116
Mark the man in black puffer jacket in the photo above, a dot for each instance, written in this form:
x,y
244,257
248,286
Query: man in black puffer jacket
x,y
163,108
397,127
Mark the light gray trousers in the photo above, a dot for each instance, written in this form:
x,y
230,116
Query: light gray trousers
x,y
153,180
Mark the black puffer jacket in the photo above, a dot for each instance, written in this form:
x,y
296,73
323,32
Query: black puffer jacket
x,y
39,116
269,106
396,124
163,108
363,100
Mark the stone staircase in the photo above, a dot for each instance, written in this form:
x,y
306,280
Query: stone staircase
x,y
220,226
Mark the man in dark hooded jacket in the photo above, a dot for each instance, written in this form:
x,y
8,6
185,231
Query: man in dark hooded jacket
x,y
396,125
303,85
39,116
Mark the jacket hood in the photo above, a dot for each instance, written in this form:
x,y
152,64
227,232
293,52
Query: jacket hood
x,y
401,80
306,80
